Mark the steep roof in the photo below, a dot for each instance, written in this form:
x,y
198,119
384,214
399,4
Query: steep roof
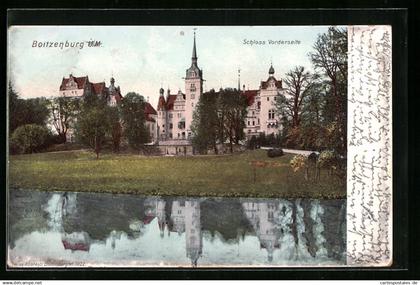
x,y
264,84
80,81
170,102
161,104
250,96
99,88
148,109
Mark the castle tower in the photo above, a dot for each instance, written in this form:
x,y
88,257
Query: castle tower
x,y
161,122
193,89
193,234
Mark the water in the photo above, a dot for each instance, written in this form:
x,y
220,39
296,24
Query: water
x,y
87,229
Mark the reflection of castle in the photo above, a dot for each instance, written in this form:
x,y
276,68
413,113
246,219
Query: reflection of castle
x,y
185,216
261,215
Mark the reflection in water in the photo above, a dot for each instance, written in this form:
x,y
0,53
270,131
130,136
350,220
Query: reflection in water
x,y
135,231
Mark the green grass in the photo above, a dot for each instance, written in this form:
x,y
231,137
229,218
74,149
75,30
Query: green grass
x,y
224,176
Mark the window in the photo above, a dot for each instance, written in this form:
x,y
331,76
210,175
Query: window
x,y
170,115
259,105
275,98
192,96
271,114
249,123
192,104
253,123
170,135
179,115
171,126
268,98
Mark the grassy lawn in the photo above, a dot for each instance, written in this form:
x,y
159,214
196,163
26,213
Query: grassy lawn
x,y
229,175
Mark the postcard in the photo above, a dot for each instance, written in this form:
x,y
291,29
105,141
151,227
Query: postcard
x,y
199,146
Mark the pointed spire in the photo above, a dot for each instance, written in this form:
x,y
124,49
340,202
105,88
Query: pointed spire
x,y
271,70
194,52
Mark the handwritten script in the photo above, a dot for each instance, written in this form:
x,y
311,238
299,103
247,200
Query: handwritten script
x,y
369,178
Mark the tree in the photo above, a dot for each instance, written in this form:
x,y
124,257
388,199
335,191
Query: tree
x,y
26,111
134,120
298,84
93,126
116,133
28,138
205,125
233,106
63,111
330,57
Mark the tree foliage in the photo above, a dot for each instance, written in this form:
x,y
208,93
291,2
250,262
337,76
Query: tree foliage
x,y
233,107
298,84
219,117
26,111
133,117
93,127
63,114
206,123
330,58
28,138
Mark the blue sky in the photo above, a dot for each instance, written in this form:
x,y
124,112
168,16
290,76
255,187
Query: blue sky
x,y
145,58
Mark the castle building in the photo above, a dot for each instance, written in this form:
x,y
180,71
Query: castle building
x,y
79,87
262,116
170,126
175,111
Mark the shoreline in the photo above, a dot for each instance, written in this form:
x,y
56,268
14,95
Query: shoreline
x,y
179,195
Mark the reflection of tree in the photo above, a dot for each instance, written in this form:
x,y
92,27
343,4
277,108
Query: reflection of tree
x,y
24,215
100,214
225,217
304,221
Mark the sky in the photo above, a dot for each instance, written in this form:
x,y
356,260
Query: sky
x,y
143,59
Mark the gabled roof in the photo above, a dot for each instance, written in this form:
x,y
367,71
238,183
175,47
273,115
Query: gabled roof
x,y
168,104
264,84
80,81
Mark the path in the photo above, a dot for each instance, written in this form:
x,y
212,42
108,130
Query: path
x,y
294,151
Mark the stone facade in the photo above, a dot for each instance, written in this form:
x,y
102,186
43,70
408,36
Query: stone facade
x,y
175,111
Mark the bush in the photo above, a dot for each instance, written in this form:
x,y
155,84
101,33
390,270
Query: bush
x,y
275,152
28,139
298,162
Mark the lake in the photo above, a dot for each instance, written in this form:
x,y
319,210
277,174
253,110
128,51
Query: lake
x,y
77,229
